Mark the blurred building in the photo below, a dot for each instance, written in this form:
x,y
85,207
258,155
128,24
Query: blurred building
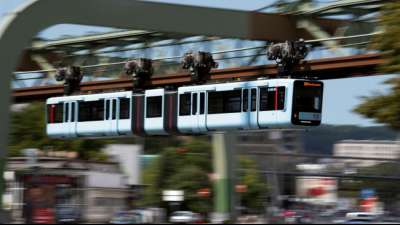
x,y
91,190
316,190
129,159
283,141
267,148
367,149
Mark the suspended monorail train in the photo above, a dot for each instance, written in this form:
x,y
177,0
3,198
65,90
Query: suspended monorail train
x,y
190,110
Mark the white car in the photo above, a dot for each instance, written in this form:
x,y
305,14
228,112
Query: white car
x,y
184,217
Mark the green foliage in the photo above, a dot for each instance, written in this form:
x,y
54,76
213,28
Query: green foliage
x,y
383,109
187,168
256,187
386,108
28,130
389,41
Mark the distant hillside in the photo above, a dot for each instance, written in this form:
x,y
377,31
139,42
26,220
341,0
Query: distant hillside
x,y
321,140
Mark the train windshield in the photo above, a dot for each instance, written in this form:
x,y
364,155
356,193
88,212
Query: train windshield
x,y
307,103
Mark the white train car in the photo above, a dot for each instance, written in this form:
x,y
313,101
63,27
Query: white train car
x,y
262,104
253,105
95,115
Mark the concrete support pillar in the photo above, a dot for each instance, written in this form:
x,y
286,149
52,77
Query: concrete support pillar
x,y
224,159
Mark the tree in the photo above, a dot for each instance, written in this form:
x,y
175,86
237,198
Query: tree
x,y
257,189
187,168
28,130
182,168
385,108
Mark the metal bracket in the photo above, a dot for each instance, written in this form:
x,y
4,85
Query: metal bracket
x,y
287,55
199,64
141,71
72,77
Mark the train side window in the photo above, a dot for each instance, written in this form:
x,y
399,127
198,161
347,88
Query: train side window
x,y
281,98
215,103
114,109
233,101
91,111
245,100
66,119
154,107
55,113
107,111
194,105
272,99
124,108
73,112
253,100
225,102
202,103
185,103
265,105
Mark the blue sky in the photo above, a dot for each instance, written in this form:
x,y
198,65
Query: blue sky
x,y
341,96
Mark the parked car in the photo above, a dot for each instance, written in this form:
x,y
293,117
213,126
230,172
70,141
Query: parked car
x,y
67,214
126,217
185,217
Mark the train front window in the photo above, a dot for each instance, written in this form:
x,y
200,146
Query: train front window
x,y
307,102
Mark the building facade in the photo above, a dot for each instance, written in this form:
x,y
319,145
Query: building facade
x,y
59,187
367,149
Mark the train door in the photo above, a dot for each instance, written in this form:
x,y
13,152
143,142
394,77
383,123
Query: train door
x,y
271,103
195,112
124,116
70,118
246,106
112,116
202,114
254,106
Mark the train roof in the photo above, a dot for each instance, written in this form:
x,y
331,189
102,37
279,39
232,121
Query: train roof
x,y
90,97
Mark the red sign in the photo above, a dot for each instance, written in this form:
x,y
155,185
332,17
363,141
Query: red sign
x,y
204,193
317,191
48,179
241,188
43,216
